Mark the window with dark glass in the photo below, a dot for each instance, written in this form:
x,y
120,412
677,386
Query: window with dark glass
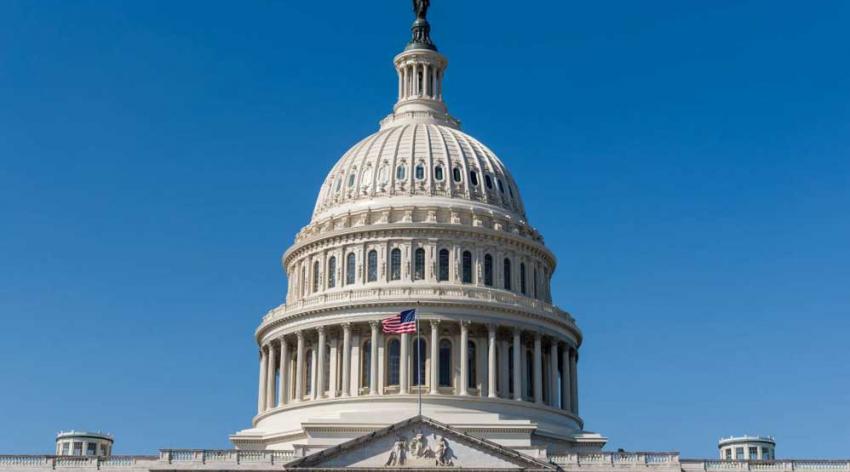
x,y
473,178
351,180
400,172
332,272
467,267
501,187
488,270
534,282
420,172
522,287
507,274
419,264
445,363
315,276
393,358
395,264
372,266
350,264
438,173
529,374
456,174
443,265
326,369
488,181
470,366
366,367
420,354
511,370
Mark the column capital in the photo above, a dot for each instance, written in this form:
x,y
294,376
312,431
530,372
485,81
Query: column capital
x,y
346,326
299,335
320,329
374,323
517,330
465,323
434,323
491,328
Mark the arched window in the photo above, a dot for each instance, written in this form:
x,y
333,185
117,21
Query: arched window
x,y
382,174
488,270
418,373
338,183
308,373
534,281
438,173
372,266
501,187
456,174
420,172
303,280
445,363
349,269
488,181
471,373
315,276
522,286
473,178
507,274
419,264
395,264
400,172
332,272
467,267
351,179
444,265
511,370
366,365
546,283
394,349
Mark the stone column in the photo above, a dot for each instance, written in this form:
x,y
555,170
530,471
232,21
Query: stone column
x,y
403,363
566,382
553,373
299,367
346,359
261,400
574,383
464,357
517,364
270,378
435,356
284,371
333,371
491,357
538,370
319,355
373,360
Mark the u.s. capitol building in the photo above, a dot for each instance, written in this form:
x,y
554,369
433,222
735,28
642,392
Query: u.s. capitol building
x,y
419,215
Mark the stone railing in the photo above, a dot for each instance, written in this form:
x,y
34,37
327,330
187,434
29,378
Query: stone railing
x,y
21,462
616,459
423,292
225,456
767,466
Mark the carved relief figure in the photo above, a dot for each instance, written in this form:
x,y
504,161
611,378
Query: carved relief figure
x,y
443,454
418,445
397,455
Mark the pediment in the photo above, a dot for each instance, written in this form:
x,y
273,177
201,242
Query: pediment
x,y
419,443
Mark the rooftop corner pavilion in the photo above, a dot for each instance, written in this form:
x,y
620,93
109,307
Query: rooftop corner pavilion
x,y
419,215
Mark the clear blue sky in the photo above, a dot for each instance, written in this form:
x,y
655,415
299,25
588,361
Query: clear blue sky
x,y
688,162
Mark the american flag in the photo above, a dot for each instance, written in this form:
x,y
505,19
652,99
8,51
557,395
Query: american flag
x,y
404,322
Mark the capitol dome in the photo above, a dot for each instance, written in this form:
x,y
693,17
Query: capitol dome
x,y
419,216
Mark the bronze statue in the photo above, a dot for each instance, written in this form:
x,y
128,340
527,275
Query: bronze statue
x,y
420,7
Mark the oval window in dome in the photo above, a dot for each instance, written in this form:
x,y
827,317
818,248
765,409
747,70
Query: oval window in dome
x,y
382,174
488,181
456,174
473,178
420,172
351,180
501,187
438,173
400,172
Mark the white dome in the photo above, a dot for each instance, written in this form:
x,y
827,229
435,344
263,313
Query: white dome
x,y
418,159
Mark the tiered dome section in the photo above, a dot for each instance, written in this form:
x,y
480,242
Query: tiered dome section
x,y
419,160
